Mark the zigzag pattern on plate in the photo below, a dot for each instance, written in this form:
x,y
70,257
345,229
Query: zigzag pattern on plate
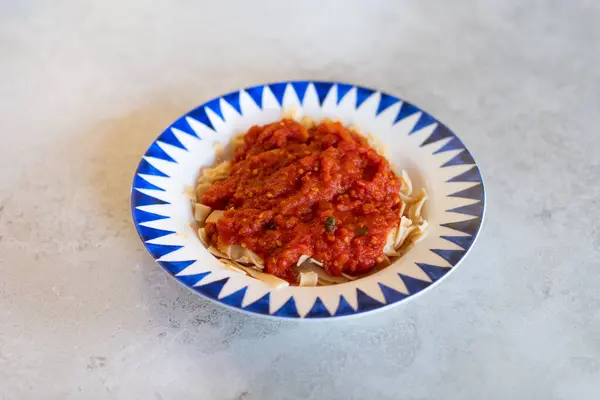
x,y
151,206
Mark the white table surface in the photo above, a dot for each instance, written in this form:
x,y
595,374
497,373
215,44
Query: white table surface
x,y
85,313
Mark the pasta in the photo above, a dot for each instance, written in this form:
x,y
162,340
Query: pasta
x,y
309,269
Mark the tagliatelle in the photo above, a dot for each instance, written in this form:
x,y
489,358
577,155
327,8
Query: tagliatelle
x,y
406,184
414,210
255,259
319,263
233,266
203,237
310,268
405,228
216,252
219,152
234,252
201,212
201,188
323,276
307,122
302,259
218,173
214,216
308,279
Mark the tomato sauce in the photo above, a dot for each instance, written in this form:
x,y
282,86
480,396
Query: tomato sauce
x,y
322,191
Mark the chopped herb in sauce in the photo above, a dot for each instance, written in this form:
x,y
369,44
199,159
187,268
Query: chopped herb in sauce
x,y
329,224
271,225
362,231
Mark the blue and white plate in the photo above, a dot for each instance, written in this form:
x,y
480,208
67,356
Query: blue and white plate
x,y
433,156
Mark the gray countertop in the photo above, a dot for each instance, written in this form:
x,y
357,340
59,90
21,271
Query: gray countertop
x,y
86,313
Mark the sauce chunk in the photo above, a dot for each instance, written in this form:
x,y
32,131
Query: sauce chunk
x,y
321,191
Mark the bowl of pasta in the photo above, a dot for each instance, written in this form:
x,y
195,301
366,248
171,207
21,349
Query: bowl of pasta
x,y
308,199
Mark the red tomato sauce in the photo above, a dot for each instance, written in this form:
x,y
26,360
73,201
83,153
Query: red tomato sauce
x,y
321,191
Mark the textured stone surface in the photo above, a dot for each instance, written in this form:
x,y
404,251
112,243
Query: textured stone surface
x,y
85,312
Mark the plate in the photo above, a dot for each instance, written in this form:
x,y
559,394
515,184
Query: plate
x,y
432,154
